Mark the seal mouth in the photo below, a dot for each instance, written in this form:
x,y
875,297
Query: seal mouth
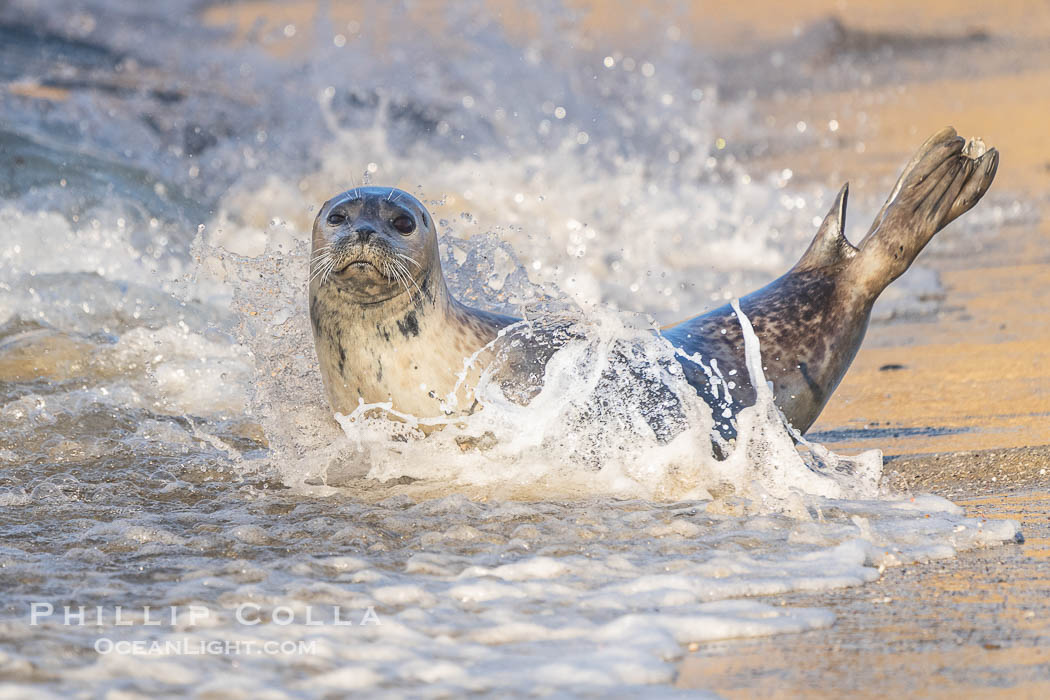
x,y
370,269
357,265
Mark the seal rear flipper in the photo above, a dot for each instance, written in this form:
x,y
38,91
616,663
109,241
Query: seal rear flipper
x,y
936,139
945,178
978,183
830,246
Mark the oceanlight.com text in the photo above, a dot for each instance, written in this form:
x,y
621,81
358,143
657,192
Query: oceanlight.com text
x,y
202,647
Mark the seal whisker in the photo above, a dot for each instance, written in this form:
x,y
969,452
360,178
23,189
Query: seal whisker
x,y
328,270
404,283
419,291
318,271
408,259
317,275
398,276
402,273
408,276
395,271
318,263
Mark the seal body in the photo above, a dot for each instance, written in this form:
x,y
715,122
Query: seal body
x,y
387,329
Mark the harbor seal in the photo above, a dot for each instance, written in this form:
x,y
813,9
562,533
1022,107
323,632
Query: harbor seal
x,y
387,329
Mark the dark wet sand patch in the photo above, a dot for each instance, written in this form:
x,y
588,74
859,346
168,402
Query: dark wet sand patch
x,y
830,436
960,476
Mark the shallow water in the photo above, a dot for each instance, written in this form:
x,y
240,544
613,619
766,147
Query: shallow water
x,y
163,437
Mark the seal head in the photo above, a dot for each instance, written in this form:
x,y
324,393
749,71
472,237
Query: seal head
x,y
385,327
373,244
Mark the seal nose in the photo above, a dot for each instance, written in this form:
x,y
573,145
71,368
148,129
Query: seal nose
x,y
364,233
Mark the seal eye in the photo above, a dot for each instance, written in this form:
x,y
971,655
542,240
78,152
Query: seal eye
x,y
404,224
336,219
